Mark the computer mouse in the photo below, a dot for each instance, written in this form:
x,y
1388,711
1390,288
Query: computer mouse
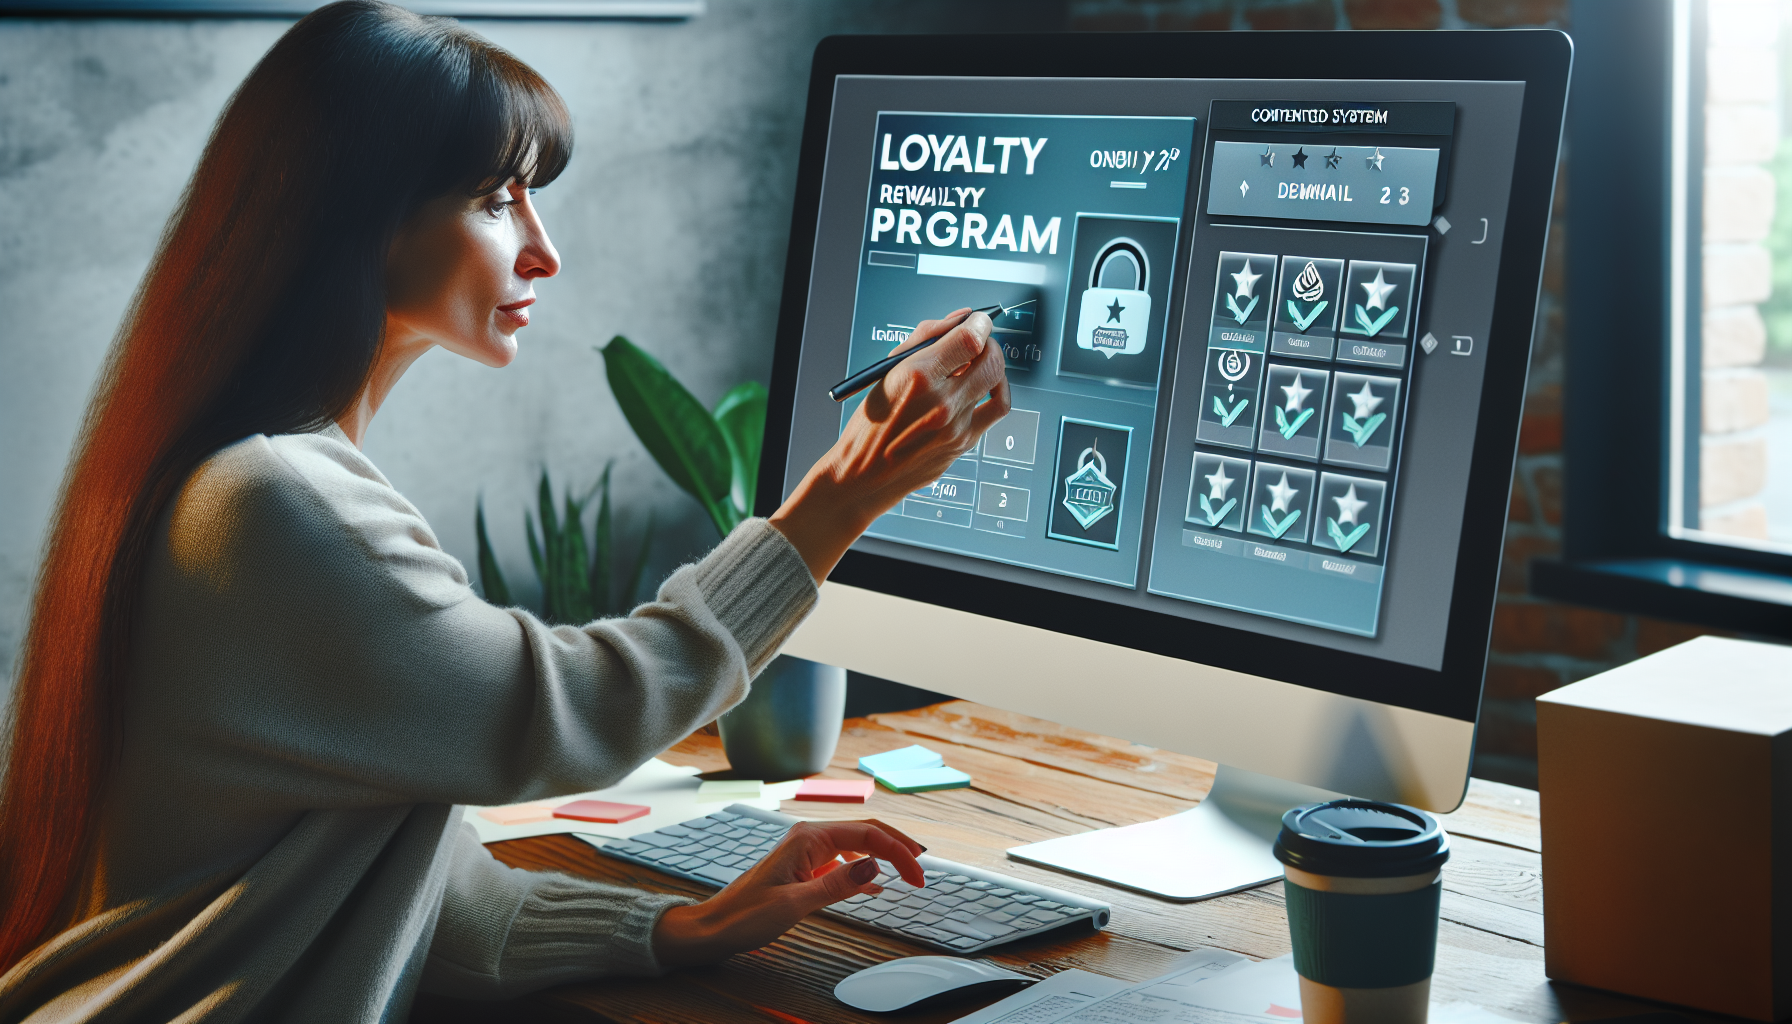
x,y
923,982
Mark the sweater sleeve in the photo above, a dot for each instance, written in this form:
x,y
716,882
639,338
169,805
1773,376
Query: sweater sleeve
x,y
329,652
504,932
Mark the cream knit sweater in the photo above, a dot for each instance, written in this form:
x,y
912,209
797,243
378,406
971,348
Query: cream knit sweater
x,y
315,690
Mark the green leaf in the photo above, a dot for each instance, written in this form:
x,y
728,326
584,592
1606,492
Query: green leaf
x,y
575,583
674,427
741,415
535,556
491,578
632,589
602,576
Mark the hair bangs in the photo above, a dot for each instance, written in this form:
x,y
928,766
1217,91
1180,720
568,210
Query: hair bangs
x,y
517,127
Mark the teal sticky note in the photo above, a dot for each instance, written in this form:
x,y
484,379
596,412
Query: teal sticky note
x,y
905,759
921,780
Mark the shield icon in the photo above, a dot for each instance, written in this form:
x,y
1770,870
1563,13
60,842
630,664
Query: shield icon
x,y
1088,493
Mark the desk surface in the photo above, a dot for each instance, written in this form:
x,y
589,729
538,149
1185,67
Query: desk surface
x,y
1034,780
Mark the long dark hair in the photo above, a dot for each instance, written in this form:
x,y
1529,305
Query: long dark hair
x,y
262,312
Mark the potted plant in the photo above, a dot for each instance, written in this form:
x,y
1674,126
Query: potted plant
x,y
790,723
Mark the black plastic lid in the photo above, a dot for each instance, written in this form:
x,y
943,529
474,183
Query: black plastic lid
x,y
1361,839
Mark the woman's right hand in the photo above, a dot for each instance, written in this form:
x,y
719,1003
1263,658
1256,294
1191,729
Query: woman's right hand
x,y
926,413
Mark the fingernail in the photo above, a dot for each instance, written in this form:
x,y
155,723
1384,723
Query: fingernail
x,y
863,871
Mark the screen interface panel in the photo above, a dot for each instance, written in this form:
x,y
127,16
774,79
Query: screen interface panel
x,y
1244,325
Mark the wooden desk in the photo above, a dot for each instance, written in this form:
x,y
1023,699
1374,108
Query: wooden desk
x,y
1034,780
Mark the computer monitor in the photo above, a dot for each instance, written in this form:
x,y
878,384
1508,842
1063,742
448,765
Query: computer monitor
x,y
1270,299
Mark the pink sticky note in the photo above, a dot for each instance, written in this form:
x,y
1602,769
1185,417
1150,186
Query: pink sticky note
x,y
836,791
518,814
601,810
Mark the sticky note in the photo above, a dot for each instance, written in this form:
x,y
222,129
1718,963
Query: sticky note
x,y
836,791
920,780
601,810
730,789
900,760
518,814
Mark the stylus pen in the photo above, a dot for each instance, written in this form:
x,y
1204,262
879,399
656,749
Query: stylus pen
x,y
876,371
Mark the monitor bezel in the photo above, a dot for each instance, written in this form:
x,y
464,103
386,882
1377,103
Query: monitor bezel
x,y
1541,59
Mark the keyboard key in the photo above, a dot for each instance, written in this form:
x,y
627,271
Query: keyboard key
x,y
960,928
963,942
904,913
1023,897
881,906
934,876
991,903
856,898
678,830
1026,924
963,917
933,934
948,901
717,872
734,861
655,839
1000,917
928,917
1002,892
989,924
1044,916
958,879
1050,905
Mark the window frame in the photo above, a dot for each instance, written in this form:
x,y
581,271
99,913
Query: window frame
x,y
1639,89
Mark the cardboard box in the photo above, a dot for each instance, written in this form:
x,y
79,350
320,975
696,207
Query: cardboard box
x,y
1667,828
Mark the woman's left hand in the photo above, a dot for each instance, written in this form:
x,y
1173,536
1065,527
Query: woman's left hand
x,y
800,876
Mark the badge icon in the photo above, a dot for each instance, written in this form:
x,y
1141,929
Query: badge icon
x,y
1091,480
1116,308
1088,493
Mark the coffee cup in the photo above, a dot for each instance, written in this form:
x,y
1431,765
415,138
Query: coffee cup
x,y
1361,880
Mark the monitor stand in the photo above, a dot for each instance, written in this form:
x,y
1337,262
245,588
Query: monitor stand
x,y
1219,847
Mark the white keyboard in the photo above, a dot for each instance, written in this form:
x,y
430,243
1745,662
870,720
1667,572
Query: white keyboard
x,y
963,909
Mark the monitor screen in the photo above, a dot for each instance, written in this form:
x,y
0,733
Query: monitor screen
x,y
1264,398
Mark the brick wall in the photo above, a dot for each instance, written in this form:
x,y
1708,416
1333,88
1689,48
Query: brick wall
x,y
1537,645
1741,134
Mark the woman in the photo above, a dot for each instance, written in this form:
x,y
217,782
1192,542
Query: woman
x,y
254,688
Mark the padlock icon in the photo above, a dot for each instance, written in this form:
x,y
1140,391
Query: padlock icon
x,y
1116,308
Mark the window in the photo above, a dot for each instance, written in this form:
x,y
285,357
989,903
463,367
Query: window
x,y
1678,402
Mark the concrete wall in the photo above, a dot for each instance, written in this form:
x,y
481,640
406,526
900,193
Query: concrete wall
x,y
672,221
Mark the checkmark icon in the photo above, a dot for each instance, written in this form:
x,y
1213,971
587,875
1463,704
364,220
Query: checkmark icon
x,y
1373,327
1290,429
1241,315
1227,416
1277,529
1361,432
1213,518
1303,322
1345,541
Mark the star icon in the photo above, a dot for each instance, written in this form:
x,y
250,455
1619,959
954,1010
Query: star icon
x,y
1244,189
1378,290
1220,482
1331,159
1300,158
1374,162
1365,402
1348,506
1297,395
1247,281
1267,158
1115,310
1281,495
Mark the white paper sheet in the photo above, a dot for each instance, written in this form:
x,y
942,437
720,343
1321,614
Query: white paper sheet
x,y
1210,987
670,790
1048,1000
